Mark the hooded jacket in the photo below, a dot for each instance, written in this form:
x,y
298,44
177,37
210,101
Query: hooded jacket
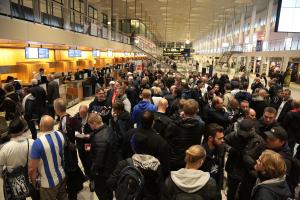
x,y
139,108
194,182
181,135
151,170
272,189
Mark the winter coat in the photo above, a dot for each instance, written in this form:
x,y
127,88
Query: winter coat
x,y
150,168
218,116
103,152
121,125
261,127
243,153
139,108
190,181
258,104
272,189
161,122
181,135
292,126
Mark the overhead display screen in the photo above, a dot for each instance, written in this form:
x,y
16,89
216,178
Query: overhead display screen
x,y
176,52
109,53
288,15
95,53
31,53
74,53
43,53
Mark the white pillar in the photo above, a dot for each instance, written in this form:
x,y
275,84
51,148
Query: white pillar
x,y
252,25
110,12
36,10
241,30
268,23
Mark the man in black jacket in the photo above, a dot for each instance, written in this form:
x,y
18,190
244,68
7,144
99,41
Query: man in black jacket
x,y
40,98
277,141
184,132
217,114
103,155
244,147
52,93
291,124
215,151
161,120
266,122
285,106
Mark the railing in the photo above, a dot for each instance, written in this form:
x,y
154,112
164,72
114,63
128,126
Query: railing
x,y
284,44
57,15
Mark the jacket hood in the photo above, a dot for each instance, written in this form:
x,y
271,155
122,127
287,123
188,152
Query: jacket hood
x,y
278,186
146,162
190,180
191,122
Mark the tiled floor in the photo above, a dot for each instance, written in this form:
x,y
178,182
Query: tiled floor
x,y
85,194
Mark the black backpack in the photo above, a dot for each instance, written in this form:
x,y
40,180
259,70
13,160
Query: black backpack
x,y
131,183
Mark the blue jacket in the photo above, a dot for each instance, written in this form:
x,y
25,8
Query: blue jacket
x,y
139,108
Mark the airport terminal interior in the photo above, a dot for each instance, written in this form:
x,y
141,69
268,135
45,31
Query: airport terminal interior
x,y
149,99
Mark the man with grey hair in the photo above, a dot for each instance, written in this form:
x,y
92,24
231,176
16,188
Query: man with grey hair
x,y
40,98
53,93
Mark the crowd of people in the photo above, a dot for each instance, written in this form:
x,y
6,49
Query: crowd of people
x,y
157,135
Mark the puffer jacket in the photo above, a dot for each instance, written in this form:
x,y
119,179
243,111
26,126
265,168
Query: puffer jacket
x,y
181,135
103,152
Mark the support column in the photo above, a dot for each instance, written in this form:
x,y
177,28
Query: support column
x,y
36,10
66,15
268,24
117,28
254,65
252,26
110,13
268,66
241,31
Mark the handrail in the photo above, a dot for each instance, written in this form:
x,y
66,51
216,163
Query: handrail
x,y
282,44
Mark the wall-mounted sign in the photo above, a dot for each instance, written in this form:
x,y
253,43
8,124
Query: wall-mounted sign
x,y
176,52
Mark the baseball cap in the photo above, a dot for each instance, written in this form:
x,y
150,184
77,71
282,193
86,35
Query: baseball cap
x,y
277,132
246,127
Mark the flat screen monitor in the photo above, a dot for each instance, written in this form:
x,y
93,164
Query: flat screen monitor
x,y
109,53
71,53
31,53
288,15
95,53
77,53
43,53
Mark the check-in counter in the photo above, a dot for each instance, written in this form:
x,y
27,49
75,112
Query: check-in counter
x,y
74,92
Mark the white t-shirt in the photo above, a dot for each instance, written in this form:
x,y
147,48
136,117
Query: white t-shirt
x,y
14,153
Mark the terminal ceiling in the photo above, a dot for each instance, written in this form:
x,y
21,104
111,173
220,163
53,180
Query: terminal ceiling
x,y
179,20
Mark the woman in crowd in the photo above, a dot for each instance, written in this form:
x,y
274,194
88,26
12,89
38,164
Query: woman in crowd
x,y
189,182
271,183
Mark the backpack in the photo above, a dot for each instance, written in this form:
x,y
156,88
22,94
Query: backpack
x,y
130,184
18,109
16,183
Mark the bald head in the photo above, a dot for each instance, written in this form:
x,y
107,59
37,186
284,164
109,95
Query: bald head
x,y
46,123
162,105
251,114
83,110
34,82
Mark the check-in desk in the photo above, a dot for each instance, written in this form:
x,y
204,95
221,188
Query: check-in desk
x,y
74,92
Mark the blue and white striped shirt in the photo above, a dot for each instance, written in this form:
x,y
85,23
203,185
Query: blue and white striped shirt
x,y
49,148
